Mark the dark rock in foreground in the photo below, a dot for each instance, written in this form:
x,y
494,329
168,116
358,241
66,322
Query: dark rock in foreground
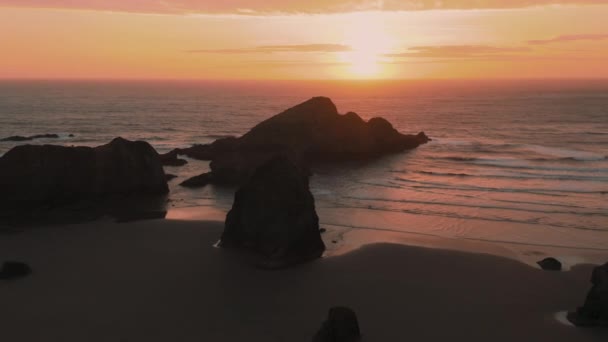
x,y
341,326
595,310
550,264
308,133
49,174
170,177
171,159
14,269
274,216
31,137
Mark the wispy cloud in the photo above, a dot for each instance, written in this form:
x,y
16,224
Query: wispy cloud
x,y
457,51
264,7
279,48
570,38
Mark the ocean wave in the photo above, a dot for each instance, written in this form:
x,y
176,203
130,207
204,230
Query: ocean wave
x,y
481,206
540,191
218,136
587,158
535,152
445,174
545,201
522,164
460,159
563,153
416,184
596,133
461,237
153,138
516,176
534,221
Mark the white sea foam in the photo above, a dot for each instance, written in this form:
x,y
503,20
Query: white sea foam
x,y
562,317
566,153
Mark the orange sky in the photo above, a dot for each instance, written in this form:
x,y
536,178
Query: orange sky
x,y
313,39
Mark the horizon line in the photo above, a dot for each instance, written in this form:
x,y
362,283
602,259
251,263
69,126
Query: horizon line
x,y
158,79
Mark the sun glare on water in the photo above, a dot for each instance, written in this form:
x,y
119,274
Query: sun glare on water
x,y
370,43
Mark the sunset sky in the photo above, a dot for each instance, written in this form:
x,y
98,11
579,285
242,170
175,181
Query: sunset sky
x,y
303,39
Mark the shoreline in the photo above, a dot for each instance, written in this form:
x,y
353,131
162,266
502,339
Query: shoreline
x,y
163,280
341,237
351,238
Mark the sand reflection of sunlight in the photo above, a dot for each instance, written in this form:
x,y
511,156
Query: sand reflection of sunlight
x,y
369,41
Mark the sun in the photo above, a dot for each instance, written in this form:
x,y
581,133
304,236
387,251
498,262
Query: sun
x,y
363,64
369,45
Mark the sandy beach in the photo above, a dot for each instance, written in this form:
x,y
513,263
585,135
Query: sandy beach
x,y
163,280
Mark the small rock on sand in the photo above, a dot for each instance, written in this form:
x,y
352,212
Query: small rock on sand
x,y
550,264
14,269
341,326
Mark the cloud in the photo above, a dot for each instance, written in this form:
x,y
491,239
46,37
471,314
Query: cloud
x,y
570,38
261,7
457,51
279,48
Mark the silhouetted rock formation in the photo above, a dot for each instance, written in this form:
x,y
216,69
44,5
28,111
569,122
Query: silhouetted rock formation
x,y
274,216
550,264
49,174
171,159
595,310
311,132
341,326
169,176
197,181
210,151
14,269
31,137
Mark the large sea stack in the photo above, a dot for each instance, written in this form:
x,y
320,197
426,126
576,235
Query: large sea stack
x,y
273,215
49,174
308,133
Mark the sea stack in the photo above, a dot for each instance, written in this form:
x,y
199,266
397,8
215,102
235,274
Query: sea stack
x,y
310,133
341,326
33,175
595,310
171,159
274,216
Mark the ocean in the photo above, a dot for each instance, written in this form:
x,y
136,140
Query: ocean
x,y
522,164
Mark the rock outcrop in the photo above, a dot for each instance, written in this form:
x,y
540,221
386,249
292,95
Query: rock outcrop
x,y
308,133
550,264
49,174
341,326
273,215
171,159
197,181
595,310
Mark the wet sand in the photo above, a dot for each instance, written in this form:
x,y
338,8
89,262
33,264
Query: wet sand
x,y
164,281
